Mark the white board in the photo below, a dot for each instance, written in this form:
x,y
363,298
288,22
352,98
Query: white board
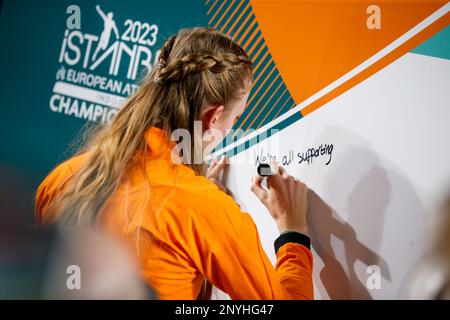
x,y
389,170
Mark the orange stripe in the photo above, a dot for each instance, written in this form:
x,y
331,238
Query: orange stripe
x,y
217,11
252,36
223,15
281,108
257,54
246,30
213,5
261,85
267,102
264,69
242,24
231,16
380,64
276,115
239,18
249,52
262,96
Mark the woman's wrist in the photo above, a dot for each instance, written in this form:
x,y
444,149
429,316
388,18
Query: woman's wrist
x,y
285,226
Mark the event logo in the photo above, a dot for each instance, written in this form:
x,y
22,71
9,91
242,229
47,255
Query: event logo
x,y
98,72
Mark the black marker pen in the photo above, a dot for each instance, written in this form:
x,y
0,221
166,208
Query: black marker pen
x,y
264,170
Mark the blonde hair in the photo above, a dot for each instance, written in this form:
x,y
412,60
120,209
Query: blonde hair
x,y
197,67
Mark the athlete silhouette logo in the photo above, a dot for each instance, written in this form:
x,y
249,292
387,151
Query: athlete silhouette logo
x,y
109,25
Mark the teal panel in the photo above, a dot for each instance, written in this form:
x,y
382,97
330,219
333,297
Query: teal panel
x,y
437,46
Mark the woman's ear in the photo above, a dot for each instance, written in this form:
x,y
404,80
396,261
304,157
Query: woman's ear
x,y
210,116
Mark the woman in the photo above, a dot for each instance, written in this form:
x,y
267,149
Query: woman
x,y
183,228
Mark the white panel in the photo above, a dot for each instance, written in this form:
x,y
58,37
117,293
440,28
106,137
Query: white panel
x,y
388,172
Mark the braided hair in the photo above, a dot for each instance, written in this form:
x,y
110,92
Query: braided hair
x,y
198,62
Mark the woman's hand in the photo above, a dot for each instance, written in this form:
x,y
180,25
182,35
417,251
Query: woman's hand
x,y
215,169
286,199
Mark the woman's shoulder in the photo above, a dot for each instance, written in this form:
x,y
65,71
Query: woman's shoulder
x,y
55,180
65,169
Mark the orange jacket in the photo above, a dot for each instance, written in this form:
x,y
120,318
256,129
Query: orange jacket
x,y
185,229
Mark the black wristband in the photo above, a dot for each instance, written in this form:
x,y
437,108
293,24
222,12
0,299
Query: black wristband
x,y
292,236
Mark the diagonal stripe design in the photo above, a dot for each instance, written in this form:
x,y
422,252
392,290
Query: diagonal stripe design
x,y
270,96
